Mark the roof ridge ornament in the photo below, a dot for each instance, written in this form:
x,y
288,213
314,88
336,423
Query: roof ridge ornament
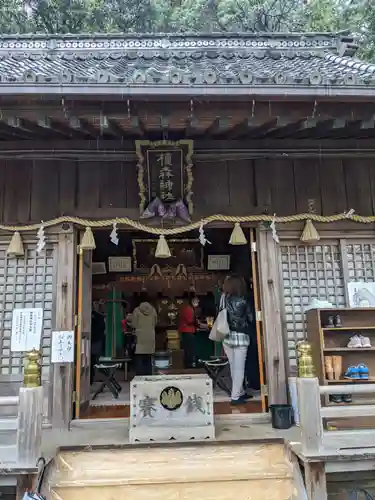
x,y
174,41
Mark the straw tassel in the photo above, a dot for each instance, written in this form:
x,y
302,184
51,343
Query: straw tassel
x,y
88,240
15,248
309,234
162,249
237,237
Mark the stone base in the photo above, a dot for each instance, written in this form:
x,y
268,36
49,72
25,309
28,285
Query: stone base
x,y
171,407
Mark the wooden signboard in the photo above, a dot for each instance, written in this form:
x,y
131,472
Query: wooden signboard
x,y
165,172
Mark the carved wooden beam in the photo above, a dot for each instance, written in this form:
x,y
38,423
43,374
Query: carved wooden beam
x,y
9,133
311,127
366,129
331,128
218,127
164,123
32,128
252,127
110,127
137,127
192,128
81,125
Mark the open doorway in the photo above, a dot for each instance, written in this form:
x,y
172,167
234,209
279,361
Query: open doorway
x,y
114,282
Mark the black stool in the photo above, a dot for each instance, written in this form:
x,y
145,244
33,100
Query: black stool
x,y
108,371
218,371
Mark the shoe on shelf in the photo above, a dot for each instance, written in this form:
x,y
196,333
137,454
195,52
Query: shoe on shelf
x,y
337,321
347,398
352,373
335,398
365,341
355,342
363,371
329,323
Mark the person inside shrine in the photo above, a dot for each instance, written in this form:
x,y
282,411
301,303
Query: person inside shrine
x,y
237,342
188,328
144,320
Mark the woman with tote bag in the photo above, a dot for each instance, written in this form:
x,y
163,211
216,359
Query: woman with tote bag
x,y
233,327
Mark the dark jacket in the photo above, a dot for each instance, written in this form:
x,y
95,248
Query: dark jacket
x,y
239,314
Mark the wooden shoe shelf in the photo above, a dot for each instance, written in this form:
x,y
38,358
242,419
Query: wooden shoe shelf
x,y
330,351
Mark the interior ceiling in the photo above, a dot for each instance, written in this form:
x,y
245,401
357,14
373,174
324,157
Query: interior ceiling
x,y
173,121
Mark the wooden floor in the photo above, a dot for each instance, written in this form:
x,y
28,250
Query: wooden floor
x,y
122,411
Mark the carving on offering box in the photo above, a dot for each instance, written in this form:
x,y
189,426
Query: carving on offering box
x,y
165,174
186,254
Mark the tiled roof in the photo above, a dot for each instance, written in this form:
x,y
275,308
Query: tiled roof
x,y
276,60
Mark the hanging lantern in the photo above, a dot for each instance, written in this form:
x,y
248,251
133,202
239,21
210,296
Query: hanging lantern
x,y
162,249
88,240
238,236
15,248
309,234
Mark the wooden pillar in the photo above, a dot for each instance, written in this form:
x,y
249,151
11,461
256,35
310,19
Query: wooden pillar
x,y
310,417
269,272
30,422
62,400
315,480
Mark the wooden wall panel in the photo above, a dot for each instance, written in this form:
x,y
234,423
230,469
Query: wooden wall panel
x,y
211,193
44,190
332,185
68,171
358,187
241,186
274,183
17,181
113,193
283,195
39,190
306,183
131,181
262,176
88,188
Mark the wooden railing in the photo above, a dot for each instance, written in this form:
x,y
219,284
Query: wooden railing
x,y
28,427
314,439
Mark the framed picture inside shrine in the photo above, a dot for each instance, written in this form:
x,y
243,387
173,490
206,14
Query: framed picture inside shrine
x,y
165,172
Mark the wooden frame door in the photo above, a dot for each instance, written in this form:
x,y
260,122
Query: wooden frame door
x,y
258,319
83,344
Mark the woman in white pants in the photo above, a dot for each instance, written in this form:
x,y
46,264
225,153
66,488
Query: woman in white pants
x,y
237,342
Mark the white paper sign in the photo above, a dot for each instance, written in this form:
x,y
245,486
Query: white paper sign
x,y
62,350
361,294
26,329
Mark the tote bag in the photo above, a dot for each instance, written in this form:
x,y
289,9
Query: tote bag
x,y
220,328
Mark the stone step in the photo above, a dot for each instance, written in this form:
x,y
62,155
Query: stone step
x,y
214,471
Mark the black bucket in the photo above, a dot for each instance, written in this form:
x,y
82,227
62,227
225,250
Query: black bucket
x,y
281,416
